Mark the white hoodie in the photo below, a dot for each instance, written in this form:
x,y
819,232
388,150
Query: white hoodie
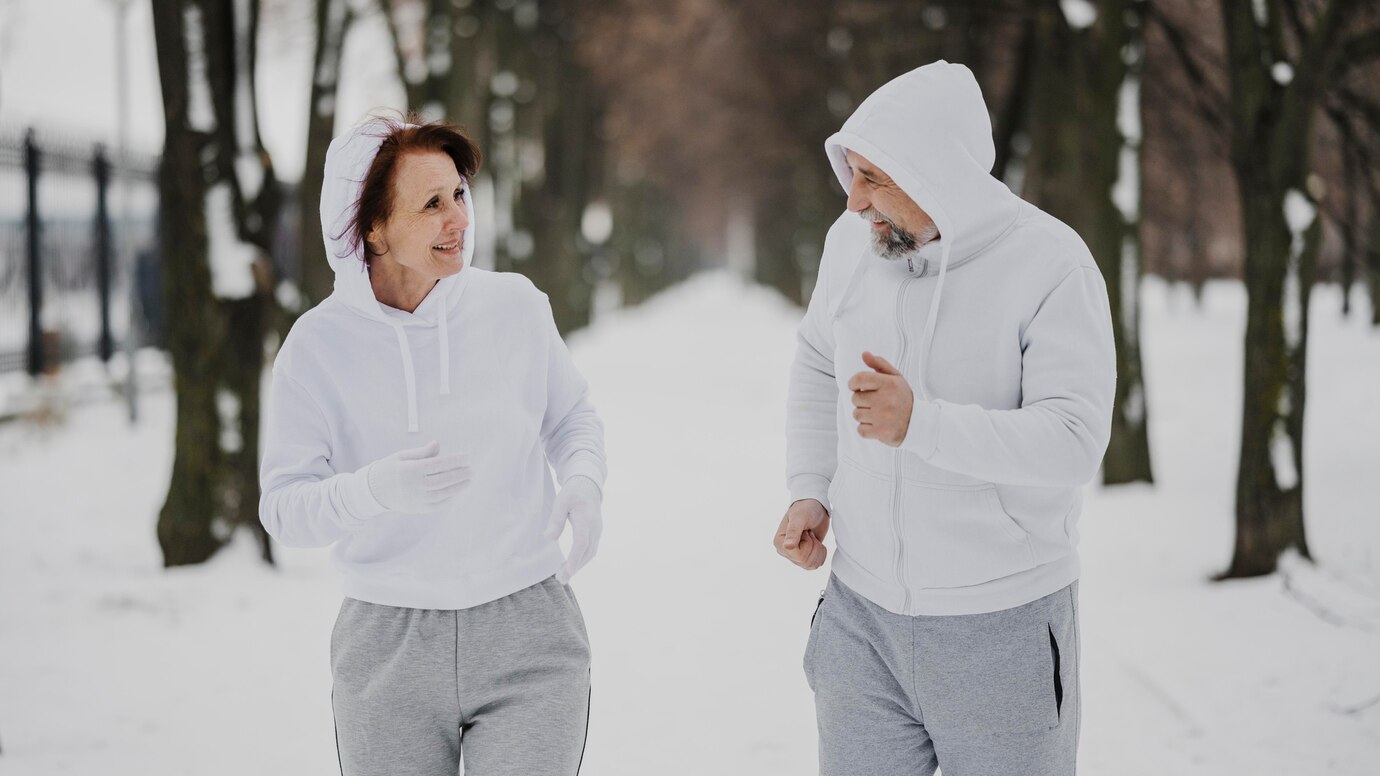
x,y
1002,328
478,367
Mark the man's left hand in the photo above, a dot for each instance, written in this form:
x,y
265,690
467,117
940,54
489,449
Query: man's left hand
x,y
882,401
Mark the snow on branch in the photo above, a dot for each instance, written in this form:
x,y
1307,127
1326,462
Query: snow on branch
x,y
1080,14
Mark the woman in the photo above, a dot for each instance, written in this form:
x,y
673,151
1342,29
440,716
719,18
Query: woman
x,y
412,419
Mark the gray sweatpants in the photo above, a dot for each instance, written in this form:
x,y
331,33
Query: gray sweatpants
x,y
991,694
507,680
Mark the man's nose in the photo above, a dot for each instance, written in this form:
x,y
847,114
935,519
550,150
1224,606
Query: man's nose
x,y
858,200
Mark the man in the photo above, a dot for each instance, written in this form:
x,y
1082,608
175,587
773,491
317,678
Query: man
x,y
950,396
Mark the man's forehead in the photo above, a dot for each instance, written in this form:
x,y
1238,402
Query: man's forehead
x,y
860,164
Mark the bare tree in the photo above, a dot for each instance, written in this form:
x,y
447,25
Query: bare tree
x,y
218,195
1084,167
333,21
1281,56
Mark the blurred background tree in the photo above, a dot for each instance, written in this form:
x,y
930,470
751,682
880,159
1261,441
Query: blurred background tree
x,y
220,203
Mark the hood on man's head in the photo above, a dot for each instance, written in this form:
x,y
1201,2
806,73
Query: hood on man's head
x,y
930,132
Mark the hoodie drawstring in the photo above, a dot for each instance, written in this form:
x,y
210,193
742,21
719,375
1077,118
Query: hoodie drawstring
x,y
443,363
443,343
927,336
409,375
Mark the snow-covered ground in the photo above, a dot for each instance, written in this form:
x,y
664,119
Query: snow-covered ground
x,y
110,665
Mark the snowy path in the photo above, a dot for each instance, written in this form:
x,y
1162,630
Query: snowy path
x,y
109,665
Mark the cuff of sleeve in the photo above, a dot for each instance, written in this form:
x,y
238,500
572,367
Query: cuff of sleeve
x,y
359,502
585,467
922,436
813,486
580,480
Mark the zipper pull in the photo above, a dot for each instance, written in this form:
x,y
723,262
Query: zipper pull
x,y
910,263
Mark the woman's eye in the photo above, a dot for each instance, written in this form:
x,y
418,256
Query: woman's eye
x,y
459,194
433,202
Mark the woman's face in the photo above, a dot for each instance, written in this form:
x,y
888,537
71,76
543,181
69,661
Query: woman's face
x,y
429,218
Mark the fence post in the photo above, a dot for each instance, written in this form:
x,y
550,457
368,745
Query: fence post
x,y
103,249
31,164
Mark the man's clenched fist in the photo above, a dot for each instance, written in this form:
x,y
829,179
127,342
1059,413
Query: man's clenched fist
x,y
800,539
882,401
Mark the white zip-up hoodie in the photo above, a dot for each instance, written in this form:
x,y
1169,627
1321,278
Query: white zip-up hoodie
x,y
1003,330
478,367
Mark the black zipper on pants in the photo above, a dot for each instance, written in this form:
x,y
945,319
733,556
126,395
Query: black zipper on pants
x,y
1058,682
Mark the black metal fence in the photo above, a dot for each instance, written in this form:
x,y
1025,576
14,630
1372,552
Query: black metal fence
x,y
78,250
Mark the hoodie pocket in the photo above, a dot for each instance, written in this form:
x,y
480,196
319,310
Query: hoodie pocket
x,y
861,519
958,535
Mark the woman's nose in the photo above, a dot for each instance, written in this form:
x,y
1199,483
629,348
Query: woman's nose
x,y
459,215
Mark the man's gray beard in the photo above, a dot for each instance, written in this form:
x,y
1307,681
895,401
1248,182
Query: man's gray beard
x,y
899,243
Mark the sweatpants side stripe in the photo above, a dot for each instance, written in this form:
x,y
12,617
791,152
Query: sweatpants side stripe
x,y
335,727
588,704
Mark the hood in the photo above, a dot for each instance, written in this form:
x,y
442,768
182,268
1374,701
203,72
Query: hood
x,y
347,162
929,130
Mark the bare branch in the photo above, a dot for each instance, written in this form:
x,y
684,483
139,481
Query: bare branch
x,y
1358,160
1358,50
1346,107
1291,14
1368,108
1210,101
394,34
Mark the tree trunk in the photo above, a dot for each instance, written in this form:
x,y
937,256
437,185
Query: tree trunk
x,y
206,55
1269,488
186,531
1271,134
1373,264
1353,250
562,123
333,19
1077,159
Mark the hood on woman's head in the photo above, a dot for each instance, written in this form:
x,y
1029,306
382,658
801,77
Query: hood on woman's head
x,y
349,162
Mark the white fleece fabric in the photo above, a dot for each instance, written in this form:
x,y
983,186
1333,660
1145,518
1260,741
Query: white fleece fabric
x,y
478,367
1003,329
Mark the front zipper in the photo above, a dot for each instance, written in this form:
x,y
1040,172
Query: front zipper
x,y
896,455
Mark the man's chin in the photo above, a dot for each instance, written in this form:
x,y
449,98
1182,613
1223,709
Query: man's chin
x,y
888,249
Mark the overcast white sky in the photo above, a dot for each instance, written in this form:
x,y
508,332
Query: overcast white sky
x,y
58,73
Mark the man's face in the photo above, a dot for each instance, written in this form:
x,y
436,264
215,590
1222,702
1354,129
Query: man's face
x,y
899,226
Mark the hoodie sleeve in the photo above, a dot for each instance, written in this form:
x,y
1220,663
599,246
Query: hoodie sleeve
x,y
571,431
304,502
812,404
1059,434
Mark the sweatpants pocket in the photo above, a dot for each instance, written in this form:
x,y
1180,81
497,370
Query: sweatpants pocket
x,y
810,641
994,673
